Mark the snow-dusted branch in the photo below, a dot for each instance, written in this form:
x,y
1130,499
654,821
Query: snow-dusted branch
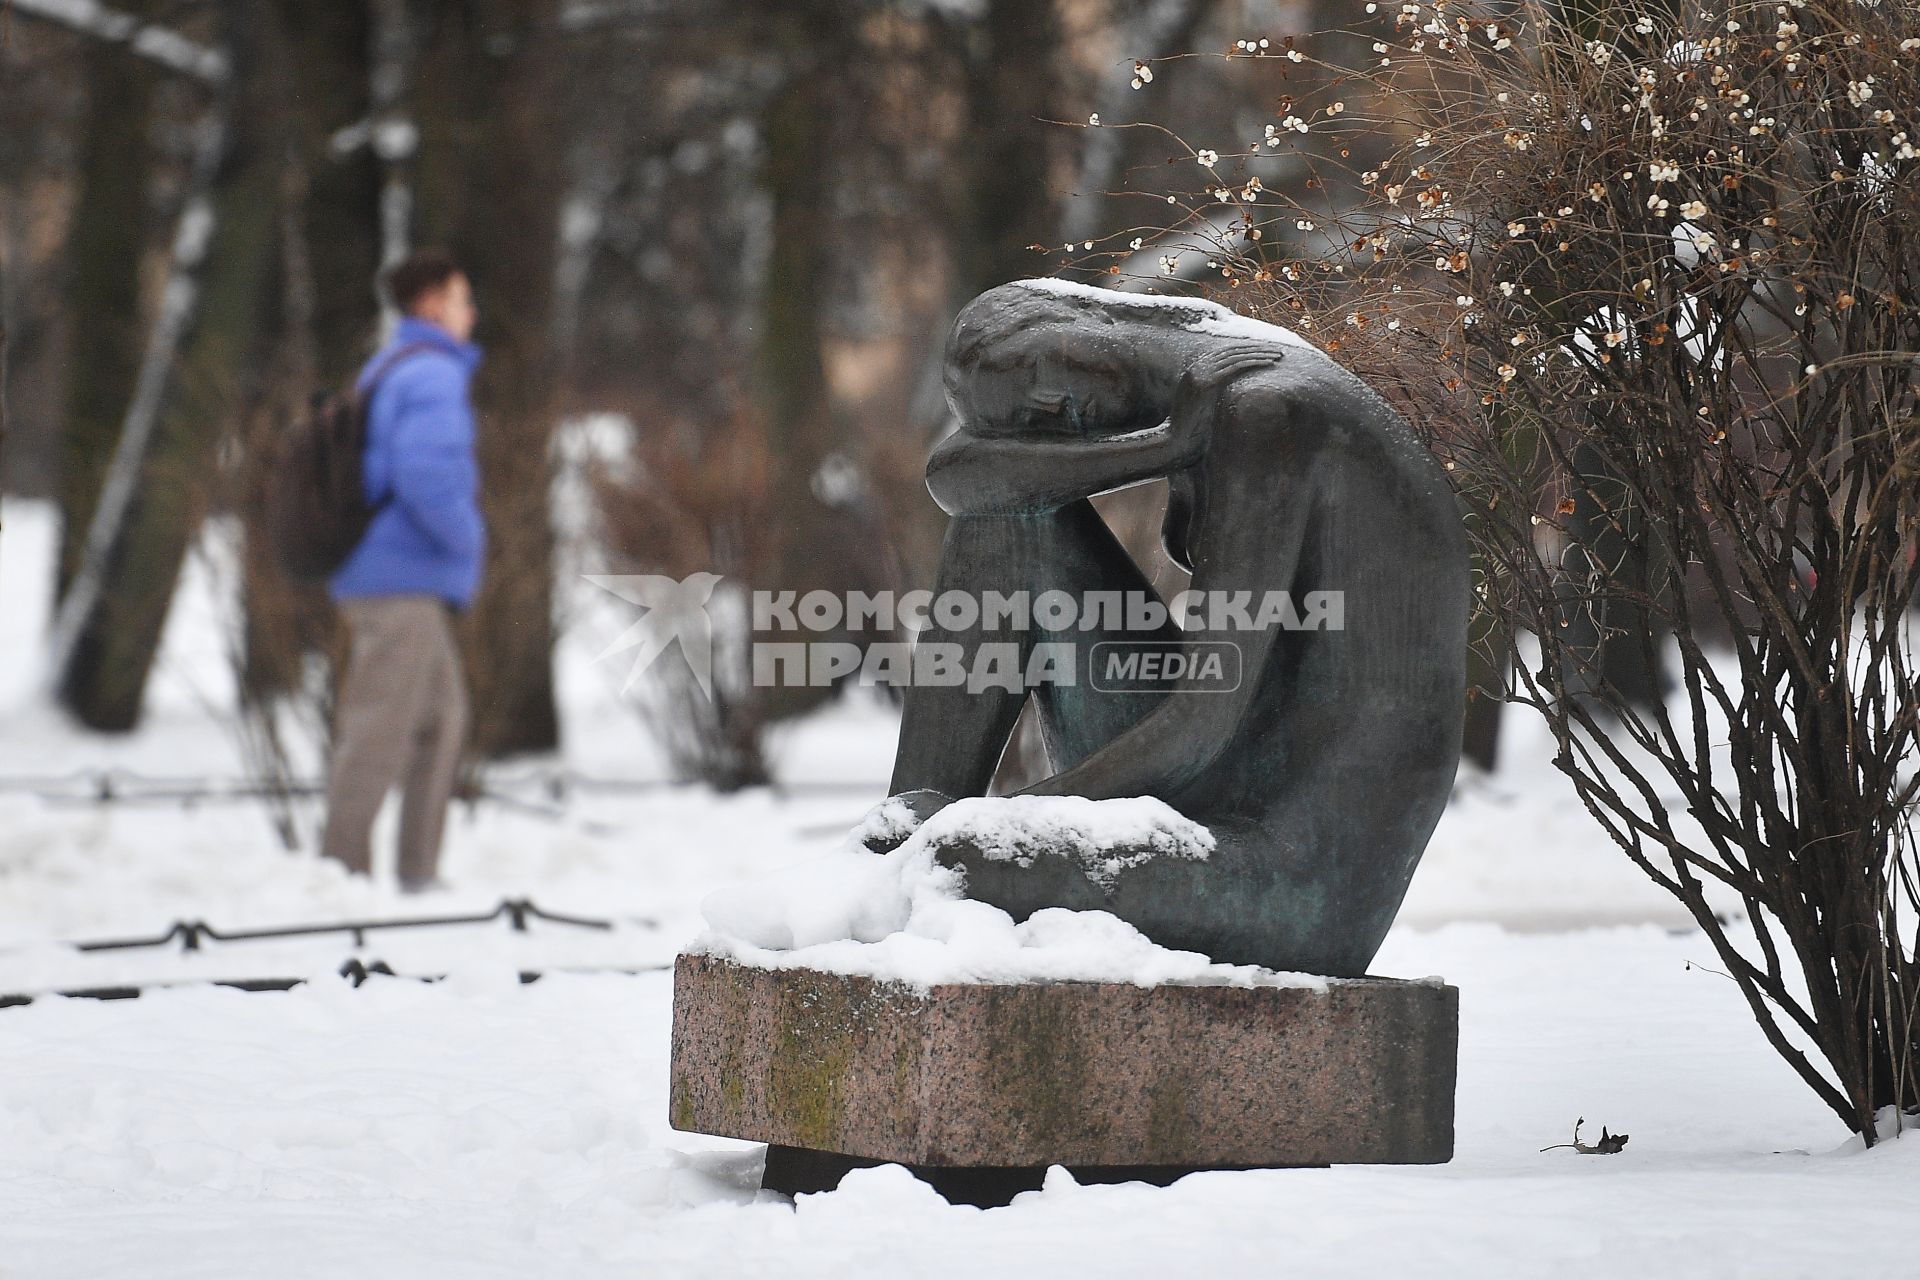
x,y
1162,25
148,40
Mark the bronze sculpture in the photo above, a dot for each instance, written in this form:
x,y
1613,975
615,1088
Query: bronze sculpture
x,y
1323,772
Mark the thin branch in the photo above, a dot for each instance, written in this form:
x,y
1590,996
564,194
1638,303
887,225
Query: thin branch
x,y
160,45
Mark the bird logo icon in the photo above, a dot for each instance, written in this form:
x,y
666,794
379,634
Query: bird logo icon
x,y
673,612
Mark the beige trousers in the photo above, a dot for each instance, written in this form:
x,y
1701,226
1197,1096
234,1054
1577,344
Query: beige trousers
x,y
401,721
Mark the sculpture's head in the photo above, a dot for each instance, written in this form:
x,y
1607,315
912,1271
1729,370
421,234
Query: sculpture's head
x,y
1023,360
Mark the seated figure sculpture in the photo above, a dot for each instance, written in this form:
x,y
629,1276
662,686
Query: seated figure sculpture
x,y
1322,772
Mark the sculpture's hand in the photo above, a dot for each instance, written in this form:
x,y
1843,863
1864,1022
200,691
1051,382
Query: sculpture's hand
x,y
888,824
1198,393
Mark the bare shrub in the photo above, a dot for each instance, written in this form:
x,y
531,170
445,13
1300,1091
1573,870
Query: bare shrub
x,y
689,501
1650,281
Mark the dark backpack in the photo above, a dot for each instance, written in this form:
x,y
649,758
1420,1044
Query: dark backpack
x,y
318,510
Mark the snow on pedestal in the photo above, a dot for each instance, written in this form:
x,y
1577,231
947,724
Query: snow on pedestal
x,y
865,1010
902,917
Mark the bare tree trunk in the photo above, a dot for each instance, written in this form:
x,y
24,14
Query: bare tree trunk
x,y
793,379
42,109
193,386
393,137
103,294
489,176
329,255
93,676
1009,199
332,57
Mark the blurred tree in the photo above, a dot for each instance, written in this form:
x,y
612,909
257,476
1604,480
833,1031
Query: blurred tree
x,y
221,277
489,180
326,320
105,247
763,214
41,114
1009,193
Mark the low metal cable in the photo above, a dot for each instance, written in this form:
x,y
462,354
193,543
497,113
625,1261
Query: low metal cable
x,y
355,971
192,933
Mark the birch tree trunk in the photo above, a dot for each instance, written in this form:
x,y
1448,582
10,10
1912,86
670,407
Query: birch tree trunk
x,y
192,386
105,248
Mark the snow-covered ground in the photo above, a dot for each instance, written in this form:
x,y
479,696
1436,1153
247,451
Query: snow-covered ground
x,y
478,1127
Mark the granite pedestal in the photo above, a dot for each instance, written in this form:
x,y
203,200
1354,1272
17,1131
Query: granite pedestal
x,y
979,1088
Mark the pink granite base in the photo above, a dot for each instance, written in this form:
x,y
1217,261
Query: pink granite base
x,y
1359,1071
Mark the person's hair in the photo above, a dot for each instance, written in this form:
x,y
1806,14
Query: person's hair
x,y
419,274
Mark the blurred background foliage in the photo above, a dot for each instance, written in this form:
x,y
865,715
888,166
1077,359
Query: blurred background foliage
x,y
716,247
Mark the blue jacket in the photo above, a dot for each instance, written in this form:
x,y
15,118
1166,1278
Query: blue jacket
x,y
420,474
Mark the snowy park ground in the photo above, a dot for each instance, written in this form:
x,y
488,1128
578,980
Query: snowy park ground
x,y
479,1127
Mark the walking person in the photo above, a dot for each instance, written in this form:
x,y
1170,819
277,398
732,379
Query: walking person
x,y
401,717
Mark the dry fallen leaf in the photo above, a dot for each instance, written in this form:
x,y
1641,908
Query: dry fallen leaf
x,y
1610,1144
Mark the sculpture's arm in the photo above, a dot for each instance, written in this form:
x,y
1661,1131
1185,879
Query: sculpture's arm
x,y
972,474
1258,506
